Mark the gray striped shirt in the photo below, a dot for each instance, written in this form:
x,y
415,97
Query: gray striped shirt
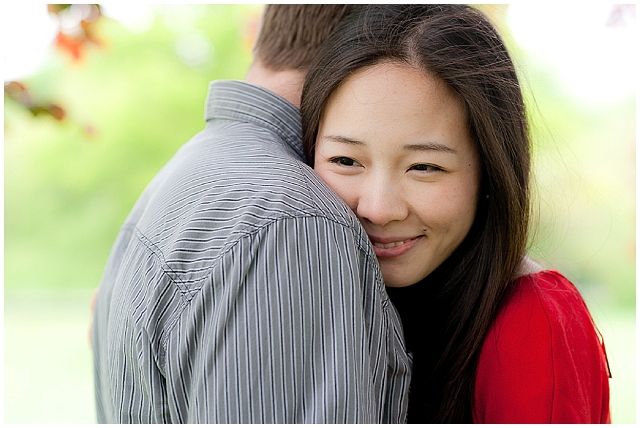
x,y
241,289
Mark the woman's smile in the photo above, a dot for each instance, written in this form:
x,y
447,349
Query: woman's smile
x,y
393,247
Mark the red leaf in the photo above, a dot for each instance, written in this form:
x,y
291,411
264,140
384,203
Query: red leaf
x,y
69,44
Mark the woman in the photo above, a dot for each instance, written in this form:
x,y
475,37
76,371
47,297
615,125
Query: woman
x,y
415,117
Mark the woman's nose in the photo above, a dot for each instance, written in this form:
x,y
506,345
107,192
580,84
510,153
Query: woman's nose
x,y
380,203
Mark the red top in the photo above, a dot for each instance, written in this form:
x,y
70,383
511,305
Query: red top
x,y
543,360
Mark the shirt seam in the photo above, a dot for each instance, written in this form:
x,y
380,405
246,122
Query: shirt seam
x,y
187,294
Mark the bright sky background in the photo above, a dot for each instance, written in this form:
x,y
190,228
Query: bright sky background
x,y
595,62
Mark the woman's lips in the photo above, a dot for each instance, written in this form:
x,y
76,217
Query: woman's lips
x,y
389,248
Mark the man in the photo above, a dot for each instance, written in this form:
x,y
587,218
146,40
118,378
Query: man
x,y
240,288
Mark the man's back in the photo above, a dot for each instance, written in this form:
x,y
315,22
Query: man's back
x,y
241,289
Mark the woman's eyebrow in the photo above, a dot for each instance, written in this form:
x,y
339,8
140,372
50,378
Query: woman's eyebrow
x,y
420,147
345,140
430,146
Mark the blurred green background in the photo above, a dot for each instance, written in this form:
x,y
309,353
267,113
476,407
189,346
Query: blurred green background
x,y
134,93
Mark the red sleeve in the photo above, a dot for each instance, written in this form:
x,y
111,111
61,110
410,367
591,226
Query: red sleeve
x,y
542,360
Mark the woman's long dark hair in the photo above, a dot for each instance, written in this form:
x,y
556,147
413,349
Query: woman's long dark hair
x,y
457,44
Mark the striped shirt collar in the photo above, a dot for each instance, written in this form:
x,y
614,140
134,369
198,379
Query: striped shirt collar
x,y
241,101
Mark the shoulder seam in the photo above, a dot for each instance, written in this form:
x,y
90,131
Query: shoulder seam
x,y
187,294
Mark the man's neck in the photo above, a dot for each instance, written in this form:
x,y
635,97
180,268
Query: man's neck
x,y
286,83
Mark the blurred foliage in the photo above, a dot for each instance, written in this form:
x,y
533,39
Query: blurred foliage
x,y
132,99
18,93
76,27
130,104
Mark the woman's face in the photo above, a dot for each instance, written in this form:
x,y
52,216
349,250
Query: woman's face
x,y
394,143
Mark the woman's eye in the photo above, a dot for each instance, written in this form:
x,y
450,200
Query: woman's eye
x,y
342,160
425,167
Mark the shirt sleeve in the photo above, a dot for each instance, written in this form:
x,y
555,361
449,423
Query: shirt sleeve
x,y
542,360
291,328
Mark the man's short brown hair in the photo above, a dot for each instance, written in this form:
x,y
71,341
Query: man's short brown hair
x,y
290,34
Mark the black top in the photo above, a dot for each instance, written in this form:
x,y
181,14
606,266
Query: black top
x,y
421,320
